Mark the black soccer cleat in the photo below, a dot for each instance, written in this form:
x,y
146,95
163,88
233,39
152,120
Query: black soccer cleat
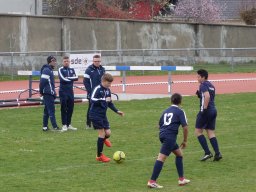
x,y
206,156
45,129
217,157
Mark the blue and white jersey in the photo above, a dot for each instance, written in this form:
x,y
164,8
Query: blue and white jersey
x,y
67,76
99,105
206,86
47,84
170,121
92,77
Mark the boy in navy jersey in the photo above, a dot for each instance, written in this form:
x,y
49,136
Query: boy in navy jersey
x,y
100,101
67,76
206,118
169,124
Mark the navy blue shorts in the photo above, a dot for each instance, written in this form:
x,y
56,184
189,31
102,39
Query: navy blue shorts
x,y
100,123
207,120
169,144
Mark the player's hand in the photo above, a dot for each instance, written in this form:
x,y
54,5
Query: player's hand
x,y
108,99
120,113
183,145
198,94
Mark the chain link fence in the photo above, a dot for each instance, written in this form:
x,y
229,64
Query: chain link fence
x,y
11,62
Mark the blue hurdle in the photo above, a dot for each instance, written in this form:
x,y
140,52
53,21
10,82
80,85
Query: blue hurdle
x,y
169,69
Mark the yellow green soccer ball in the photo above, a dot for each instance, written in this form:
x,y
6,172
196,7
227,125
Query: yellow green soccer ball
x,y
119,156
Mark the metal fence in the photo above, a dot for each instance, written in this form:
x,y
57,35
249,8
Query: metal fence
x,y
11,62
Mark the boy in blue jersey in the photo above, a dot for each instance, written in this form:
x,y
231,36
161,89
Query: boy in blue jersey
x,y
47,91
92,78
169,124
67,76
100,101
206,118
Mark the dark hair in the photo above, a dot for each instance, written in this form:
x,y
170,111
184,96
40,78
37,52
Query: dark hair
x,y
96,56
176,98
50,59
203,73
107,77
65,57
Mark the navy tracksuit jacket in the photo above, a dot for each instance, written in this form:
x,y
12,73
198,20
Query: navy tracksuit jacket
x,y
67,76
47,89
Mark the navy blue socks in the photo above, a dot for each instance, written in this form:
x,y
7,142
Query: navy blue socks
x,y
157,169
179,166
215,145
203,143
100,144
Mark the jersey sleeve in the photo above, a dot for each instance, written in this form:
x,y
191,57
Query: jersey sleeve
x,y
87,82
62,76
183,118
110,103
203,88
96,97
44,80
74,77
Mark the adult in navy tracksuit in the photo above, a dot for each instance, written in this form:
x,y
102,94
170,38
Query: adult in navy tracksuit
x,y
206,118
67,76
169,124
92,78
100,101
47,90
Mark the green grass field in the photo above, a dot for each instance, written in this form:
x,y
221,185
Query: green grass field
x,y
32,160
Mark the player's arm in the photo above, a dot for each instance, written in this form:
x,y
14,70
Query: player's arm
x,y
96,97
185,137
44,80
206,99
112,106
74,77
87,83
62,76
184,123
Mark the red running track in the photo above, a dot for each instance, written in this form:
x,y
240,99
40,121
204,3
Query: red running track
x,y
224,87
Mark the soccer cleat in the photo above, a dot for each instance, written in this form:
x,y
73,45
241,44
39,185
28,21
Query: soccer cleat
x,y
45,129
103,158
64,128
70,127
183,182
217,157
153,184
206,156
107,143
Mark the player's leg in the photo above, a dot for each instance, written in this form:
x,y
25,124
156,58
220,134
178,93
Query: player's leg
x,y
45,118
63,109
179,165
165,151
107,133
211,135
51,111
98,125
88,120
200,124
70,109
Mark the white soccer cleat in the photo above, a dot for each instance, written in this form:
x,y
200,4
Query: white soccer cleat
x,y
70,127
64,128
154,185
45,129
183,182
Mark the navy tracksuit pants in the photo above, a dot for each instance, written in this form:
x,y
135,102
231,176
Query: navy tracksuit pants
x,y
67,107
49,111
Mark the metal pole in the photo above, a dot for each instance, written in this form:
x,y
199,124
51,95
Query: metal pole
x,y
30,86
12,67
232,60
124,81
169,83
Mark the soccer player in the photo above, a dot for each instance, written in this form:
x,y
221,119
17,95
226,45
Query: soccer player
x,y
100,101
169,124
67,76
47,91
206,118
92,78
